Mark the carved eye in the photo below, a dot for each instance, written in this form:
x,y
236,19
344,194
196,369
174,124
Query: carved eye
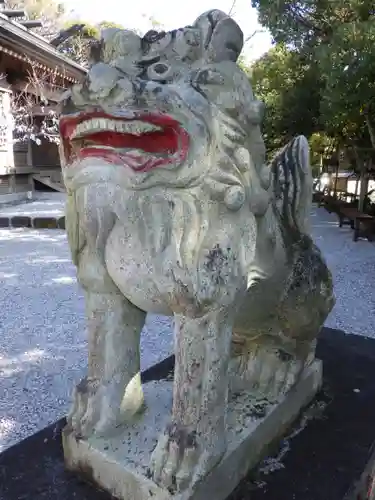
x,y
192,37
207,77
159,71
153,36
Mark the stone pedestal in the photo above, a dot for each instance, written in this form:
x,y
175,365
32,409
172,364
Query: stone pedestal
x,y
119,464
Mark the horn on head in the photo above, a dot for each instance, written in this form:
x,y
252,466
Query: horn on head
x,y
222,37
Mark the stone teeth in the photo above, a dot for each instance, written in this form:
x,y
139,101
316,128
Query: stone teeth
x,y
135,127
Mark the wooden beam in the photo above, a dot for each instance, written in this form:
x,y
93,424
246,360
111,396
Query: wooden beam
x,y
37,49
14,12
31,24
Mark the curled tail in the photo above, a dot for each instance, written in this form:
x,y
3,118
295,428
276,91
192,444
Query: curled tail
x,y
292,186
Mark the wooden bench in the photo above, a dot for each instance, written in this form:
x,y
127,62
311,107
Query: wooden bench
x,y
363,224
333,205
318,197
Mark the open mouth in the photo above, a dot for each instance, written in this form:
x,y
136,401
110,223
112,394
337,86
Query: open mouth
x,y
141,143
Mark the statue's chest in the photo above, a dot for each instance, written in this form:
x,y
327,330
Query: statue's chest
x,y
135,267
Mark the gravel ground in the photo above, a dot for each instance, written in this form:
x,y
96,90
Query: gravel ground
x,y
353,268
42,348
45,204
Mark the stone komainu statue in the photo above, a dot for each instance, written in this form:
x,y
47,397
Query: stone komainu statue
x,y
172,210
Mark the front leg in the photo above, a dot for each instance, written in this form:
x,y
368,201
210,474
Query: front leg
x,y
120,392
111,393
195,440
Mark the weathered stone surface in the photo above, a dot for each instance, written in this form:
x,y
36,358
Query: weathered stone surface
x,y
171,209
120,464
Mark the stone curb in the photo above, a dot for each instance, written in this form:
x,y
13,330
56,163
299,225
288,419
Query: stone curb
x,y
18,221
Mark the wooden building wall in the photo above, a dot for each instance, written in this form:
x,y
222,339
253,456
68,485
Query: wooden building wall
x,y
46,155
22,163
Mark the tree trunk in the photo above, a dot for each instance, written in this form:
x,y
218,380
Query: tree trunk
x,y
363,190
336,180
370,128
363,179
356,185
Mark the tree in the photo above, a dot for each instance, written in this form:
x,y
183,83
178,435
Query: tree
x,y
34,117
77,46
290,90
322,149
311,22
348,65
49,12
339,38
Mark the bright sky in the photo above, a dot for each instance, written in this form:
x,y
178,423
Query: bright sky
x,y
171,14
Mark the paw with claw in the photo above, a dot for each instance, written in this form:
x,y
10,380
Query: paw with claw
x,y
101,410
181,458
86,408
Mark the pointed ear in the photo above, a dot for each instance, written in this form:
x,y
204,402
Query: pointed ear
x,y
222,37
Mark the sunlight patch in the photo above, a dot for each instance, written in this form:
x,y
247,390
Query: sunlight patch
x,y
51,260
64,280
32,355
6,427
8,275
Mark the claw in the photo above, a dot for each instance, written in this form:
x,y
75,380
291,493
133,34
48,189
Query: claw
x,y
183,477
157,458
85,409
168,475
178,462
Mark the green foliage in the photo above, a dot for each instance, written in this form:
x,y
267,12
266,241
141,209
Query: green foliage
x,y
311,22
109,24
347,64
322,147
290,90
336,39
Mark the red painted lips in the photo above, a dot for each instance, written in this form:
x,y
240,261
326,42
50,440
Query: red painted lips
x,y
142,143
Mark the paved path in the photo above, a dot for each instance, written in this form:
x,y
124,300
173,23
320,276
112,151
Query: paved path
x,y
43,349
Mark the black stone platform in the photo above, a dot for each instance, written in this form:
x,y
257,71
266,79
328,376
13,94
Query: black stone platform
x,y
324,460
